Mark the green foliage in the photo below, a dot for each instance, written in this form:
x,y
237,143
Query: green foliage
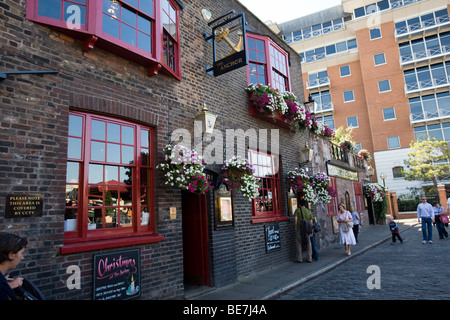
x,y
427,160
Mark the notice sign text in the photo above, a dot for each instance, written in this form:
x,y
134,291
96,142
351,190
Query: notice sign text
x,y
23,205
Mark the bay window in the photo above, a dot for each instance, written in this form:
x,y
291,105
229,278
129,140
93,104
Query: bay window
x,y
268,63
109,183
267,206
143,31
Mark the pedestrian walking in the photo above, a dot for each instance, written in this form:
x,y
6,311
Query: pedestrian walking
x,y
438,213
394,230
355,217
304,231
425,215
316,229
11,253
345,220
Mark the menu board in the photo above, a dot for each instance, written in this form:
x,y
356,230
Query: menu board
x,y
117,275
273,240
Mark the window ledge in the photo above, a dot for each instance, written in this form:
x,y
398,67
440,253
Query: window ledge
x,y
263,220
107,244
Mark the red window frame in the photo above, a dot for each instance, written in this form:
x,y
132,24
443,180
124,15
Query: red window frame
x,y
272,58
93,36
333,204
268,206
128,228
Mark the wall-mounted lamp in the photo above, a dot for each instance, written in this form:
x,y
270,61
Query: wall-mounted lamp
x,y
306,154
204,122
206,15
309,105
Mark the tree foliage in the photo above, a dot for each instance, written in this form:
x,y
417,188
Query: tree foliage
x,y
427,160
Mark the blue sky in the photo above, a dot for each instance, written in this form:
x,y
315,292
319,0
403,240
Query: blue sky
x,y
285,10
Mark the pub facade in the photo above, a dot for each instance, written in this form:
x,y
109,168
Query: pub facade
x,y
96,96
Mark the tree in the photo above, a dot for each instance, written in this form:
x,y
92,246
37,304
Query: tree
x,y
428,160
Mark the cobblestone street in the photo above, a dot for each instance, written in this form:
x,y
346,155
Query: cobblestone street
x,y
407,271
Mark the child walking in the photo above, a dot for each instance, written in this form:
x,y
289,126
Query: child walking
x,y
394,230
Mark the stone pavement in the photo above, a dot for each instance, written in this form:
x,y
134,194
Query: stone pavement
x,y
269,284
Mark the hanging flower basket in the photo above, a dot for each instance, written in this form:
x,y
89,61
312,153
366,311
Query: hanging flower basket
x,y
346,144
298,181
239,175
320,182
374,191
365,155
183,168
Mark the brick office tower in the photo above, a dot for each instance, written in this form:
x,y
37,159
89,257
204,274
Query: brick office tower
x,y
382,68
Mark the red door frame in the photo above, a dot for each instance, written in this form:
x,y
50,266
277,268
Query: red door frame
x,y
195,239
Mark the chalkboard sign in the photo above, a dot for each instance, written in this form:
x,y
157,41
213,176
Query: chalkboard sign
x,y
117,275
273,240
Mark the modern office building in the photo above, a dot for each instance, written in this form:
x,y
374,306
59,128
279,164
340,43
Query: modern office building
x,y
382,67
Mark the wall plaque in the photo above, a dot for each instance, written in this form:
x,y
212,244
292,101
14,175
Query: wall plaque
x,y
23,205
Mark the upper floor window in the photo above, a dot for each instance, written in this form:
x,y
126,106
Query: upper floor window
x,y
379,59
345,71
375,33
144,31
109,183
268,63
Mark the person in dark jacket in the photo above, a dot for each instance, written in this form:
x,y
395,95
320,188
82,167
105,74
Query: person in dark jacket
x,y
11,253
394,230
303,231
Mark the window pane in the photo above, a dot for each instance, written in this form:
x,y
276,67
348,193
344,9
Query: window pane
x,y
74,148
75,126
95,173
98,130
97,151
127,155
128,35
144,138
393,142
111,173
146,6
72,172
111,26
113,132
113,153
144,25
379,59
127,135
76,14
384,85
128,17
144,42
50,8
388,113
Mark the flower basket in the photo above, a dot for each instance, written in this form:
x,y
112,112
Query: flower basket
x,y
239,175
183,168
374,191
365,155
320,182
298,181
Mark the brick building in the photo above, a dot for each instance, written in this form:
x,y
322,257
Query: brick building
x,y
91,93
380,67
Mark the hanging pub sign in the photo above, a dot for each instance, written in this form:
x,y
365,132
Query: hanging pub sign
x,y
229,45
117,275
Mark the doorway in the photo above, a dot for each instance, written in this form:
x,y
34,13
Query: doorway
x,y
195,239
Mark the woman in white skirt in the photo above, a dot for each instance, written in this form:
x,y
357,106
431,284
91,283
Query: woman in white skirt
x,y
347,236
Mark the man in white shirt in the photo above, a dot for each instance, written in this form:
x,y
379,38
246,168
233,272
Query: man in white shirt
x,y
425,214
448,205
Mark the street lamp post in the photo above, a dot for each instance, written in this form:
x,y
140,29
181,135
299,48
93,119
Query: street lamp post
x,y
383,176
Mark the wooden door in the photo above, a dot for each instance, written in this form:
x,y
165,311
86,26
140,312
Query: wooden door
x,y
195,239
